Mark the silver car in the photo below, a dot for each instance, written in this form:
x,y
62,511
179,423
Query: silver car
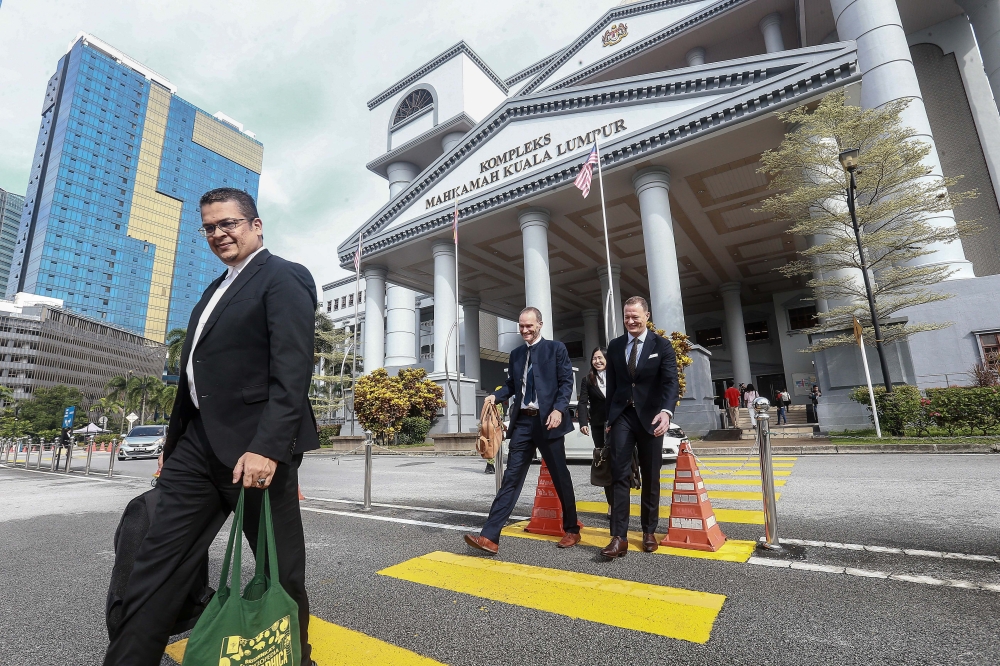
x,y
144,441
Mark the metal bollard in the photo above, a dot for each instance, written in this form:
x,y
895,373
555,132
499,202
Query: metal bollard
x,y
760,407
90,454
69,457
114,454
368,473
17,449
498,466
56,456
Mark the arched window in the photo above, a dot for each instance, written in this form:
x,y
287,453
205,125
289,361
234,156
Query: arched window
x,y
414,103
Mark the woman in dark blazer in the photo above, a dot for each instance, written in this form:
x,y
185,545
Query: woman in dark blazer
x,y
591,402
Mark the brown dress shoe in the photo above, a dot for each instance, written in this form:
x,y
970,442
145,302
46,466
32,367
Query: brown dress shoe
x,y
649,543
569,540
482,543
617,548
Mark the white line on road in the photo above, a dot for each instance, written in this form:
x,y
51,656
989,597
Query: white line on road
x,y
414,508
866,573
388,519
892,551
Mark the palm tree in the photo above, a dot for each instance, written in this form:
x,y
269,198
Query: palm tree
x,y
107,406
175,344
120,390
140,389
168,394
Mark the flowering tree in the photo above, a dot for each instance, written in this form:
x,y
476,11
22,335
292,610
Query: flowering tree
x,y
679,341
382,403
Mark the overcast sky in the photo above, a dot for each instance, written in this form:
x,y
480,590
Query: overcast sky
x,y
296,72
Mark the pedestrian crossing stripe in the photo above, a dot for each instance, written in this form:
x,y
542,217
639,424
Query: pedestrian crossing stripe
x,y
723,494
743,516
713,483
733,550
750,463
333,645
738,472
731,458
686,615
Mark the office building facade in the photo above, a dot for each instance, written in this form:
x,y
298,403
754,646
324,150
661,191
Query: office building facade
x,y
110,222
11,206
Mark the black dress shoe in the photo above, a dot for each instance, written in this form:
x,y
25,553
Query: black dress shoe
x,y
490,468
617,548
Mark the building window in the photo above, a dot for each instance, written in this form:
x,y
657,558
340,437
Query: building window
x,y
800,318
343,302
415,102
756,331
709,337
989,347
329,306
350,299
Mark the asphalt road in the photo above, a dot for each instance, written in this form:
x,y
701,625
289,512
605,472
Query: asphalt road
x,y
535,604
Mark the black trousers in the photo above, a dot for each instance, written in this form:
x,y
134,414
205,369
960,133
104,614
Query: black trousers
x,y
196,496
627,432
529,432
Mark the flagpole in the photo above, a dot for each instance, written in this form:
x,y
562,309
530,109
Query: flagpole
x,y
868,375
357,298
609,299
458,374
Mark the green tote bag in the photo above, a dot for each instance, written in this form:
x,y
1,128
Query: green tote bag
x,y
259,627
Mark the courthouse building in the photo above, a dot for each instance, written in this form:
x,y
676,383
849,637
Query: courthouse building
x,y
681,95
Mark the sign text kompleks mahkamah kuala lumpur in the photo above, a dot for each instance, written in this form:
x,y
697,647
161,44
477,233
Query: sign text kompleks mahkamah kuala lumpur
x,y
521,158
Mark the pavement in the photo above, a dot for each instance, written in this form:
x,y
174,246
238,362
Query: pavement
x,y
900,567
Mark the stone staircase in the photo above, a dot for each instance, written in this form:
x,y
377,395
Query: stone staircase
x,y
797,425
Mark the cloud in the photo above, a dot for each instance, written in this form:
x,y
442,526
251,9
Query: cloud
x,y
297,74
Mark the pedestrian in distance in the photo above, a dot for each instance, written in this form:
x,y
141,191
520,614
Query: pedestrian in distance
x,y
732,397
540,381
743,391
780,404
242,420
592,405
642,393
748,397
814,395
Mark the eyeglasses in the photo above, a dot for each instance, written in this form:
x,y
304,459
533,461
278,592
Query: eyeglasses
x,y
207,230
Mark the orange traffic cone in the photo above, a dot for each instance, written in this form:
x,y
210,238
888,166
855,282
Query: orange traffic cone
x,y
546,515
301,496
692,520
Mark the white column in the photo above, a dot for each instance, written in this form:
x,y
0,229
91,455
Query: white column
x,y
695,56
985,18
736,333
444,306
470,310
450,140
770,27
652,186
508,336
400,175
537,288
616,302
887,74
591,335
374,313
400,333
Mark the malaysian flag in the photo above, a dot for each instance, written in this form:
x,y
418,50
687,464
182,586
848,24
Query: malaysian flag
x,y
357,257
586,173
454,224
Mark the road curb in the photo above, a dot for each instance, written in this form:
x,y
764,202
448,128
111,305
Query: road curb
x,y
854,448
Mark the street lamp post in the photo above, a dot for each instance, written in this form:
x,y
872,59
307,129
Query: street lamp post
x,y
849,160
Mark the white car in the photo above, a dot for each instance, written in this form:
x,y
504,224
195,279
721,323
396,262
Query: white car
x,y
581,447
143,442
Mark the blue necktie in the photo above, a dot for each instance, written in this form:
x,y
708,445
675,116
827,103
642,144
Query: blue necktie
x,y
529,382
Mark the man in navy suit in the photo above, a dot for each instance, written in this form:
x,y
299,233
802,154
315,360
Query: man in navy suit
x,y
642,393
540,380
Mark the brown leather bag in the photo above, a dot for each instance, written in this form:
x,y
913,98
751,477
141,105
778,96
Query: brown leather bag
x,y
491,431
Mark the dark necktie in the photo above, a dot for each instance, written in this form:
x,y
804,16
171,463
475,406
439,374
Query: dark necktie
x,y
632,357
529,382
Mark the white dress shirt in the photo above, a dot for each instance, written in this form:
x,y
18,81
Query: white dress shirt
x,y
524,380
602,382
234,272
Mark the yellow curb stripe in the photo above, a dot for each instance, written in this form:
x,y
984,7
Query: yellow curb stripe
x,y
333,645
665,611
732,458
751,463
722,494
741,472
732,551
743,516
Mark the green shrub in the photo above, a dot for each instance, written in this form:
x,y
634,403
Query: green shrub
x,y
896,410
105,437
326,432
414,430
975,408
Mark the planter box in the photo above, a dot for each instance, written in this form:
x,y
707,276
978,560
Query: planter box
x,y
464,442
346,443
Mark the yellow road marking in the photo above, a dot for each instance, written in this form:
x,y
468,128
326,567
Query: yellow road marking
x,y
666,611
739,482
749,464
740,472
744,516
732,551
333,645
722,494
730,458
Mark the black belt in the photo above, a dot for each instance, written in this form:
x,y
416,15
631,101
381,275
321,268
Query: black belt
x,y
528,411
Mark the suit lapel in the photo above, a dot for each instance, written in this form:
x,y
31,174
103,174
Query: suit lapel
x,y
248,272
195,316
647,349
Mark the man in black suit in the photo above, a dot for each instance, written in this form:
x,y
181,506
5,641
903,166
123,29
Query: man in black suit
x,y
642,393
241,418
540,380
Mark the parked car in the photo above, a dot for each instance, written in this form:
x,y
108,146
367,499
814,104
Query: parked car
x,y
144,441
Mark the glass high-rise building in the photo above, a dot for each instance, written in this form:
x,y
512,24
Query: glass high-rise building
x,y
111,220
11,206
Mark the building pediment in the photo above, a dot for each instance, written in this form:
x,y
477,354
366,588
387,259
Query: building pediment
x,y
531,145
